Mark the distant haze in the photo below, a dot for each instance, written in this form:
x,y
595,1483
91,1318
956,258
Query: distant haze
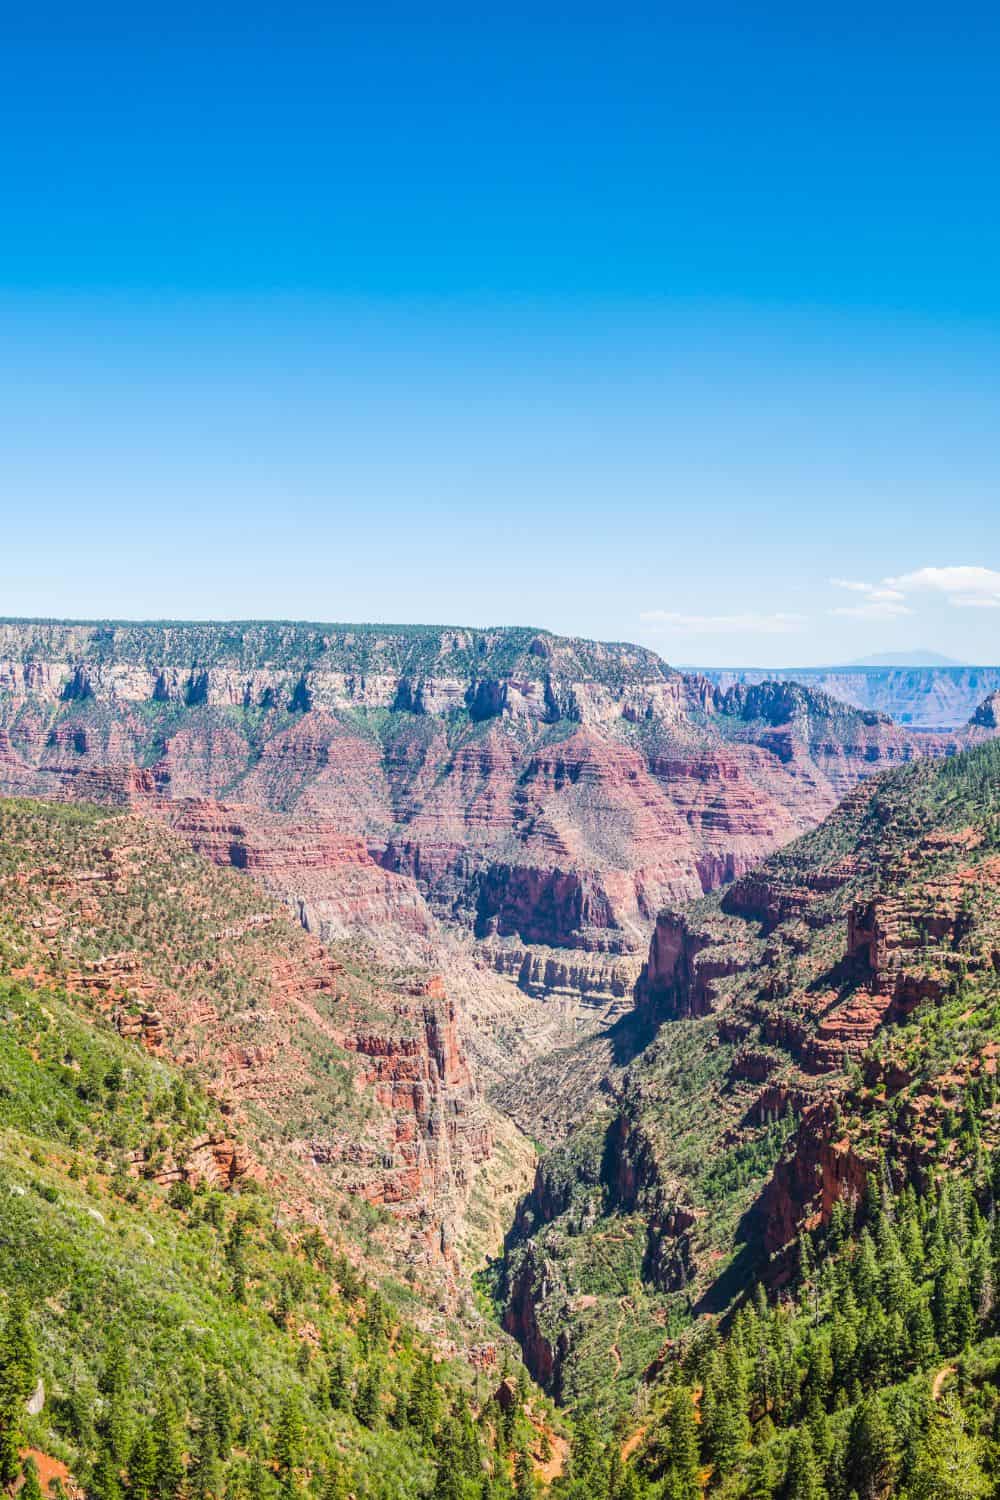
x,y
921,696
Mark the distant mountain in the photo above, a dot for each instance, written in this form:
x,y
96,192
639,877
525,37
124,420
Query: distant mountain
x,y
905,659
925,697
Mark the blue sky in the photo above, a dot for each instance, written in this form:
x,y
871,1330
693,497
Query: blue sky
x,y
645,323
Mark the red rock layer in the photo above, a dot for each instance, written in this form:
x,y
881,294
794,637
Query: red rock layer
x,y
261,1008
559,802
803,962
329,878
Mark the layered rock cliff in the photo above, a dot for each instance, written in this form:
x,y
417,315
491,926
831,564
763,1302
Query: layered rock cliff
x,y
330,879
546,794
818,1023
349,1076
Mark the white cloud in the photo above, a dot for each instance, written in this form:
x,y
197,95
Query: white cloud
x,y
965,587
881,591
668,621
957,580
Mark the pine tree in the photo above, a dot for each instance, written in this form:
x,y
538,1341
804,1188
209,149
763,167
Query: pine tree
x,y
339,1392
818,1427
169,1444
804,1480
18,1374
424,1402
729,1424
844,1344
894,1349
236,1483
288,1438
920,1334
368,1401
628,1488
18,1359
469,1446
948,1464
284,1303
114,1375
819,1370
981,1284
762,1474
206,1474
838,1228
142,1464
115,1425
219,1411
897,1284
499,1486
11,1419
872,1450
524,1477
375,1318
912,1243
334,1482
259,1479
805,1258
964,1319
105,1481
866,1270
585,1455
79,1414
683,1450
448,1481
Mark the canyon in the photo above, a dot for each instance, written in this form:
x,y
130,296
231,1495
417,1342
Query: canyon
x,y
813,1030
544,796
525,946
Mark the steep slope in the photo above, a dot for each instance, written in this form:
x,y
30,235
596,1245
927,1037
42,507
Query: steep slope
x,y
822,1024
987,715
548,795
172,1319
347,1073
330,879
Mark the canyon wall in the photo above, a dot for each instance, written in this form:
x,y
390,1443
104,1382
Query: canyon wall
x,y
818,1024
548,795
349,1075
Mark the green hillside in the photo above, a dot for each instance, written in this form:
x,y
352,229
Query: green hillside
x,y
194,1343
